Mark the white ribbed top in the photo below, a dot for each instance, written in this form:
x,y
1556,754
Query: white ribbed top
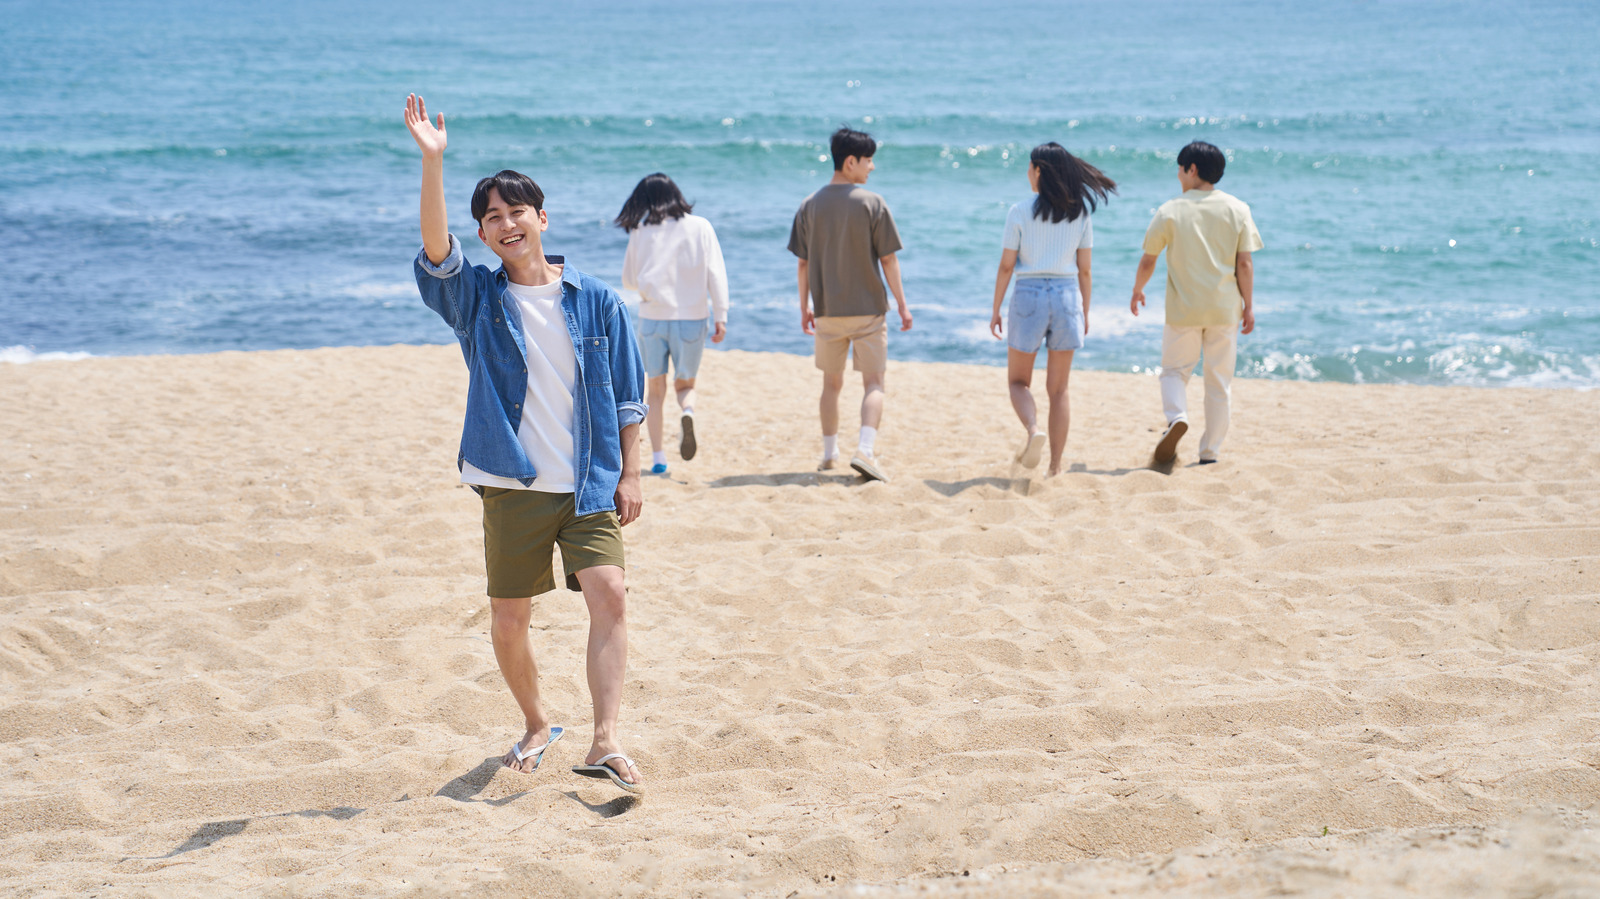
x,y
1046,250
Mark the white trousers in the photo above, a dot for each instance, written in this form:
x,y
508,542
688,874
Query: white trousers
x,y
1181,350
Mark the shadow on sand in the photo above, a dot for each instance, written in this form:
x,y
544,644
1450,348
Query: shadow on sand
x,y
464,788
785,479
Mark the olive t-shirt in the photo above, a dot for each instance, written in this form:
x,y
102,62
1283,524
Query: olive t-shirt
x,y
842,231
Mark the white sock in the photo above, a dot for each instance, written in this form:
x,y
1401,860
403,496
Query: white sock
x,y
688,410
869,436
659,458
830,446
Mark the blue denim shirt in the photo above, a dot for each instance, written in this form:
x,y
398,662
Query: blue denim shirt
x,y
609,393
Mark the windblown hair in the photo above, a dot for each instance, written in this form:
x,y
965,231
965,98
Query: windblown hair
x,y
516,189
655,199
1207,160
1068,186
849,142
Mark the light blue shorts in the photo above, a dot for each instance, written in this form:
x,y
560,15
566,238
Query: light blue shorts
x,y
1046,311
680,341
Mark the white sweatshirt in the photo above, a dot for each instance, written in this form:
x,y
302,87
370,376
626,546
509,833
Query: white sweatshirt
x,y
676,267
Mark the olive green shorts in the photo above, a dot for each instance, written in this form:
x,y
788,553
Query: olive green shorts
x,y
521,529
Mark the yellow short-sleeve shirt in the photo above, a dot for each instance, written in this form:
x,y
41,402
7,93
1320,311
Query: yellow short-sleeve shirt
x,y
1203,232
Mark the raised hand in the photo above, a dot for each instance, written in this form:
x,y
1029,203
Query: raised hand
x,y
431,140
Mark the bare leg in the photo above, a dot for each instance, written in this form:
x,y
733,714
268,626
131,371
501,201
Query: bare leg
x,y
871,399
652,420
685,389
513,649
1055,384
1019,372
605,594
829,405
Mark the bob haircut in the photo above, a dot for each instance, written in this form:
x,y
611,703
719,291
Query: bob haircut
x,y
849,142
1207,160
655,199
1068,186
516,189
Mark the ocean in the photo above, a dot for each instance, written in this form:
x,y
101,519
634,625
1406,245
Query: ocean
x,y
190,177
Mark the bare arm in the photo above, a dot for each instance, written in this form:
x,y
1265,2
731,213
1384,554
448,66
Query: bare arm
x,y
808,322
630,495
1244,271
1085,283
891,273
431,141
1002,280
1147,267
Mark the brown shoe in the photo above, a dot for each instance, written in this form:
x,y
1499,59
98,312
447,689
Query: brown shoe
x,y
1167,449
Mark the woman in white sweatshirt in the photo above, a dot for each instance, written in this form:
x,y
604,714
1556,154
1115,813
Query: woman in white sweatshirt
x,y
675,264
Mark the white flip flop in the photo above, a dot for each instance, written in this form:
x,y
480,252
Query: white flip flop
x,y
600,771
1031,451
537,752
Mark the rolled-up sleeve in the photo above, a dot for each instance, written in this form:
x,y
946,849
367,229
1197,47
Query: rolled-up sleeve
x,y
627,366
445,287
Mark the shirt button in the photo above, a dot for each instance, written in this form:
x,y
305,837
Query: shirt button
x,y
597,343
516,405
497,321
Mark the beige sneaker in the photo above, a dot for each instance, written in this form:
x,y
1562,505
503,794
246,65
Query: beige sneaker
x,y
828,464
867,468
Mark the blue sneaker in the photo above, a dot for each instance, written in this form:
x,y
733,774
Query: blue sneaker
x,y
659,468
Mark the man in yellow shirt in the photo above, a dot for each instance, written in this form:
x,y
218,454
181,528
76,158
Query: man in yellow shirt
x,y
1209,236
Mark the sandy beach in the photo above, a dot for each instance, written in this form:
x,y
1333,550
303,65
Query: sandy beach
x,y
244,646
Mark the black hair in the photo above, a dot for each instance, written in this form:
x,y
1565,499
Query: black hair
x,y
1066,184
655,199
849,142
516,189
1207,160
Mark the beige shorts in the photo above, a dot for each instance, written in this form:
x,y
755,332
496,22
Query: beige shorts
x,y
867,334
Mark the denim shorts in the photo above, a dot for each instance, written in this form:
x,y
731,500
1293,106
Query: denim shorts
x,y
680,341
1046,311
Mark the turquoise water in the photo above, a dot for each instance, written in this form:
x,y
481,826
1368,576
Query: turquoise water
x,y
191,177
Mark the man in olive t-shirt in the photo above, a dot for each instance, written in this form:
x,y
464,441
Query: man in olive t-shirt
x,y
1209,237
843,234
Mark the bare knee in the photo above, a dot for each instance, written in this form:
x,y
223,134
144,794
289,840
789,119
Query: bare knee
x,y
682,384
604,592
832,383
508,622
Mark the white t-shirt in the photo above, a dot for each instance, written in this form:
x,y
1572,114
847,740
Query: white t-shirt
x,y
545,431
676,266
1046,249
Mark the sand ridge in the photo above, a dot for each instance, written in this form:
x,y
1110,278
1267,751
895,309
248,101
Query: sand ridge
x,y
245,650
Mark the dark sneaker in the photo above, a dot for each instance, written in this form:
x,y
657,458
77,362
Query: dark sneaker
x,y
1167,449
687,447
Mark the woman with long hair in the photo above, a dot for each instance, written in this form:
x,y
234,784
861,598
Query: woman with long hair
x,y
675,263
1047,246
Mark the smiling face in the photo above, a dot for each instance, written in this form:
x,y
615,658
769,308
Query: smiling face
x,y
513,232
857,169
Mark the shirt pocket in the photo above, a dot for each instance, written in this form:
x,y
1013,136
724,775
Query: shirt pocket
x,y
597,360
493,337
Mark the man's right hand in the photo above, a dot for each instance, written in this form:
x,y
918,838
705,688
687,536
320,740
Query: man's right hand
x,y
429,139
1136,302
808,322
